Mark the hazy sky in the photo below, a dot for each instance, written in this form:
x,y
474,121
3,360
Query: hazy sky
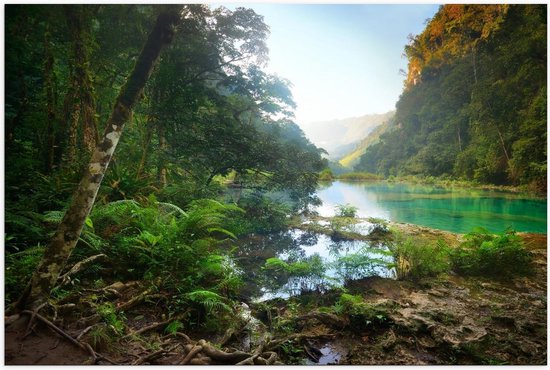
x,y
343,60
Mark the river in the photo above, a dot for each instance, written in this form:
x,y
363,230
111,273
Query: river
x,y
457,210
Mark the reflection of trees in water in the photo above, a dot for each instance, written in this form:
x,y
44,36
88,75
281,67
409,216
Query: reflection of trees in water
x,y
364,263
337,248
298,273
252,251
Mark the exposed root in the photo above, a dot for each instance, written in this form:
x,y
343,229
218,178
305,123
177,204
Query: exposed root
x,y
154,355
83,332
138,299
52,326
196,349
153,326
231,332
181,335
33,314
66,278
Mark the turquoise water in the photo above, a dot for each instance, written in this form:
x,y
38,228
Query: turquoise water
x,y
452,209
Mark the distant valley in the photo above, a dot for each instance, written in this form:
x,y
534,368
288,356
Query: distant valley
x,y
341,137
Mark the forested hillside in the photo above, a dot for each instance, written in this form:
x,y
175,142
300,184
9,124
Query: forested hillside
x,y
474,104
352,158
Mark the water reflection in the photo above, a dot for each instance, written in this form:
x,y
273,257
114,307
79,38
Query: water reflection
x,y
300,261
457,210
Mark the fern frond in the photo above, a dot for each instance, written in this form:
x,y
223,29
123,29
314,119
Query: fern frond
x,y
54,217
172,207
210,300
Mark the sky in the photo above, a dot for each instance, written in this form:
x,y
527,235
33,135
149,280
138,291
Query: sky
x,y
342,60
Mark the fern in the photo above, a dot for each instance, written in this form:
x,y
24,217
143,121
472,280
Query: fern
x,y
54,217
165,207
210,300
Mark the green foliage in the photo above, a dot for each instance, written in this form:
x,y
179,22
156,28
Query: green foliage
x,y
474,105
109,314
362,314
301,275
261,215
292,352
326,175
100,337
211,301
19,268
173,327
359,176
501,256
366,262
346,210
418,261
175,248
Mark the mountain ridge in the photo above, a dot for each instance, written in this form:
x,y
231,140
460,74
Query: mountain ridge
x,y
339,136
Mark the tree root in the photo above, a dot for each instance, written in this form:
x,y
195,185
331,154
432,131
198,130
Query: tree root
x,y
36,315
215,355
95,357
196,349
229,333
153,326
33,314
138,299
154,355
181,335
66,278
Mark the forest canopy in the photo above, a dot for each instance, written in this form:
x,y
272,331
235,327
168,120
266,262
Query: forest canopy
x,y
208,110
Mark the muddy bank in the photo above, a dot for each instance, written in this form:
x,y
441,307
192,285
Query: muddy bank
x,y
447,320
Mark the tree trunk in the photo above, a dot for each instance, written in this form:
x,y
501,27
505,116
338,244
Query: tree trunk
x,y
83,83
162,173
145,148
459,138
68,232
22,108
503,145
50,104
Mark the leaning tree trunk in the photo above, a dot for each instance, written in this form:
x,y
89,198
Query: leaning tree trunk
x,y
68,232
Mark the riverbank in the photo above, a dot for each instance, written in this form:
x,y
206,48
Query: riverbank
x,y
443,319
530,191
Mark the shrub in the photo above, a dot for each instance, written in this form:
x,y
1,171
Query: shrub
x,y
482,253
415,261
175,248
19,268
361,314
365,262
346,210
326,175
302,275
261,215
359,176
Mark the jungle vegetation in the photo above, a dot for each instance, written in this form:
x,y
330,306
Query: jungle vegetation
x,y
474,102
201,118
